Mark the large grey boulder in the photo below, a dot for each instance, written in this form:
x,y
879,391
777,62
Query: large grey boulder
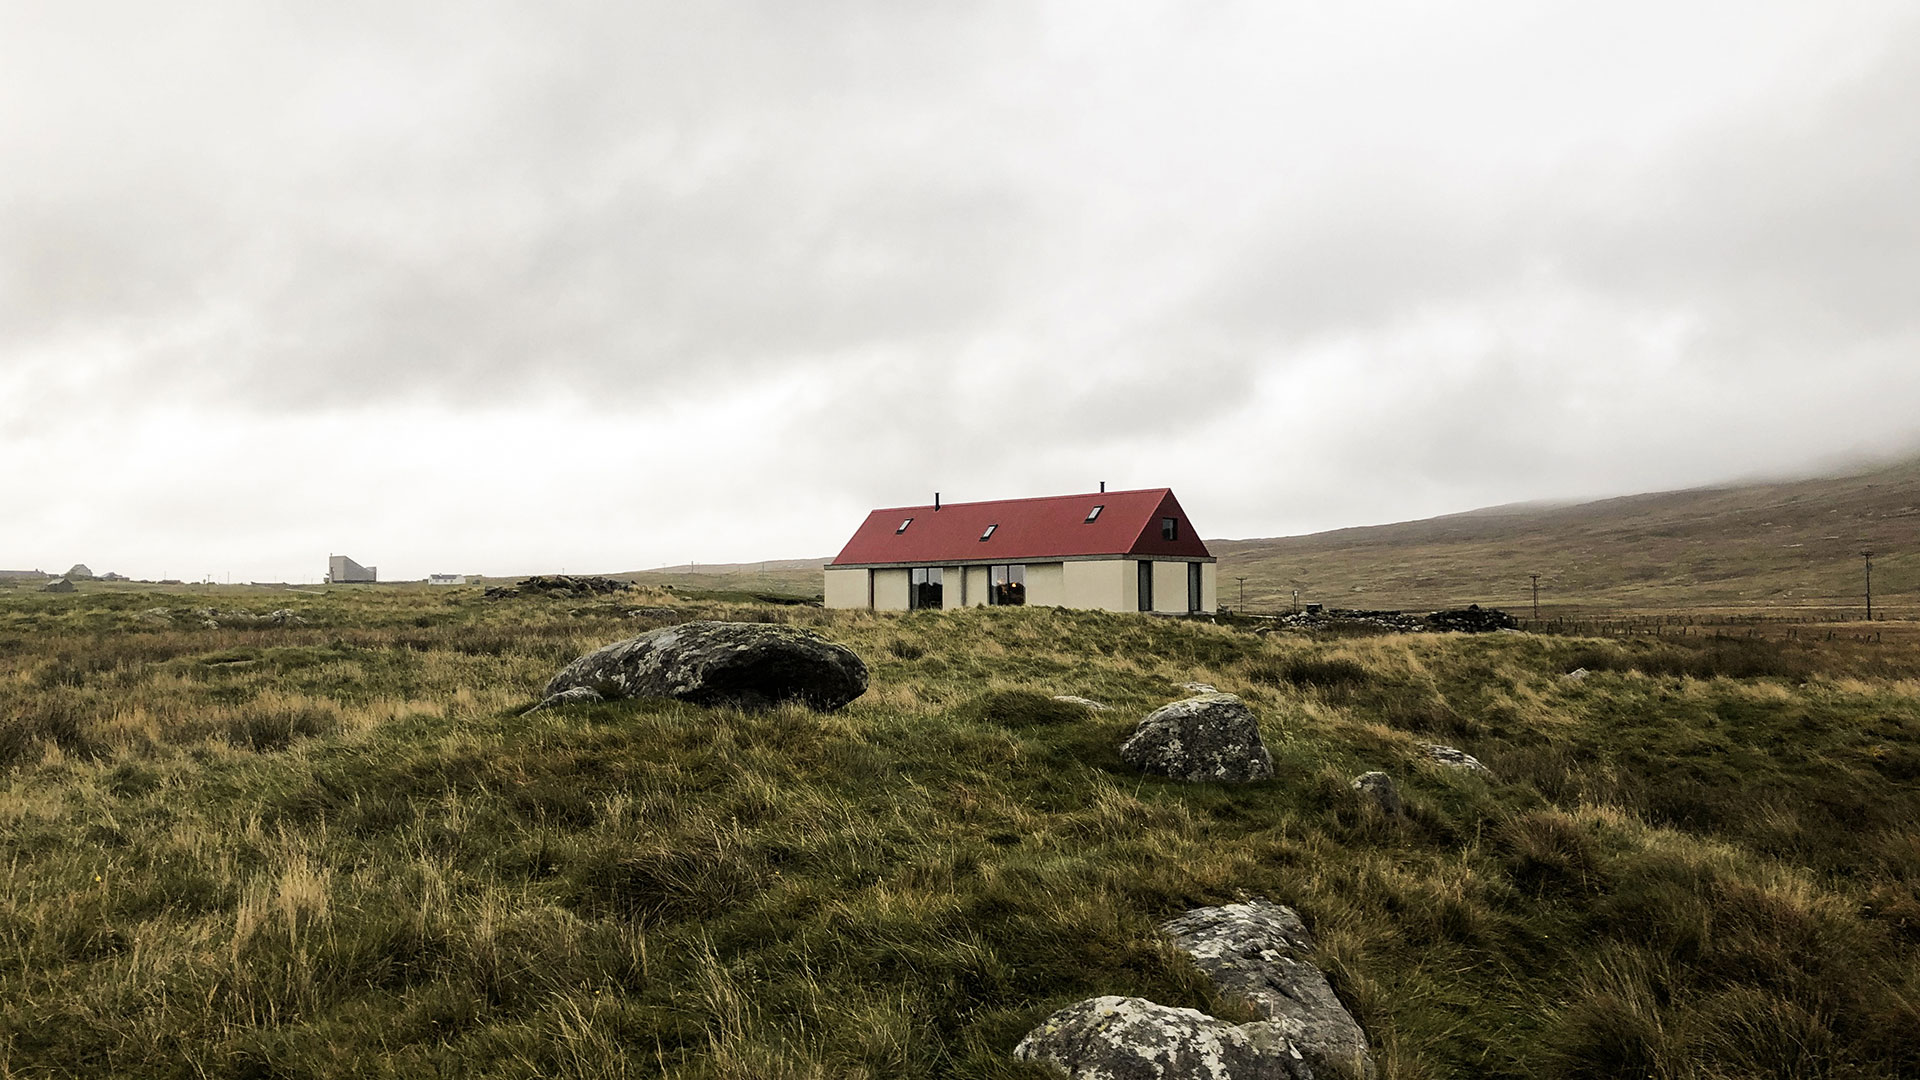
x,y
750,665
1123,1038
1263,952
1208,737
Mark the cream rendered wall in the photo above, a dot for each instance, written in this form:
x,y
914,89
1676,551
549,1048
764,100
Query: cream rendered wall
x,y
1169,586
889,590
976,586
1047,584
846,588
1102,584
1209,586
952,580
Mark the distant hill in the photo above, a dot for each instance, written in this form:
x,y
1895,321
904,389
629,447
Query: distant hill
x,y
1788,545
784,577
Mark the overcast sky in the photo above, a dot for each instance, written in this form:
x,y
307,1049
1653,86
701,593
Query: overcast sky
x,y
488,287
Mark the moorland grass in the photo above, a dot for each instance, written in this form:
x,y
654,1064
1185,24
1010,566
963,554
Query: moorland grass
x,y
337,849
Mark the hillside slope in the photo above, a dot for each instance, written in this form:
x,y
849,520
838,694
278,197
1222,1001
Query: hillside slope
x,y
1777,546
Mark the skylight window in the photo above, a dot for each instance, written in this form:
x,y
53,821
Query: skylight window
x,y
989,532
1094,513
903,527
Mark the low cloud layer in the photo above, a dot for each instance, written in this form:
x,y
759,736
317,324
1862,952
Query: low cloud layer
x,y
606,287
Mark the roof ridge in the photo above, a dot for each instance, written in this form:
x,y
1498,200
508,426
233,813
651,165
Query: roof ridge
x,y
1025,499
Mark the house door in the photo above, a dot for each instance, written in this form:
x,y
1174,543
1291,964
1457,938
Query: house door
x,y
1193,586
1146,585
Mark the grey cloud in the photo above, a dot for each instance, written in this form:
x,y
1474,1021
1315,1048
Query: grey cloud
x,y
656,198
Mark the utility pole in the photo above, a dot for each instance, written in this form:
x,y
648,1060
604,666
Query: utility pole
x,y
1536,596
1868,555
1243,592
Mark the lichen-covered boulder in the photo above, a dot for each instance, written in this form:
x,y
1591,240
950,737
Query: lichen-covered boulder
x,y
749,665
1123,1038
1379,789
1208,737
1263,952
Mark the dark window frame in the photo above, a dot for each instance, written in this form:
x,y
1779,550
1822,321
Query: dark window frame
x,y
1169,528
926,588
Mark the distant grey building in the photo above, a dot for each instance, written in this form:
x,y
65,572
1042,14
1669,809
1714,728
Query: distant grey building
x,y
447,579
79,573
342,570
58,584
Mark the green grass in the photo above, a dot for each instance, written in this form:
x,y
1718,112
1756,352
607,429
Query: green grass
x,y
337,850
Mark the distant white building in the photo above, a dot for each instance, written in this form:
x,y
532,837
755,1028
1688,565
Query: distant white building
x,y
448,579
342,571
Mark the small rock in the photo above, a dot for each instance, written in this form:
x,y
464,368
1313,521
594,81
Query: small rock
x,y
1124,1038
1379,789
574,695
1456,759
1198,688
749,665
1085,703
1207,738
1575,675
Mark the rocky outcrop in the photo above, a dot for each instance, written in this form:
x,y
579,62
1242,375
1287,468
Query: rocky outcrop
x,y
1472,619
1123,1038
1205,738
749,665
1457,759
1378,788
1263,952
558,586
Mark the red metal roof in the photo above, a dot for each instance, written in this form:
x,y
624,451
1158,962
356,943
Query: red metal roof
x,y
1025,530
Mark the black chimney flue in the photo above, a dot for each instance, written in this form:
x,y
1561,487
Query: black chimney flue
x,y
1103,487
936,502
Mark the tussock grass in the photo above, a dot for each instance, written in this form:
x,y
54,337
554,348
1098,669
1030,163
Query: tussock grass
x,y
336,849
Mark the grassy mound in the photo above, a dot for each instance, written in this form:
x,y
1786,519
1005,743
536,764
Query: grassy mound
x,y
335,849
